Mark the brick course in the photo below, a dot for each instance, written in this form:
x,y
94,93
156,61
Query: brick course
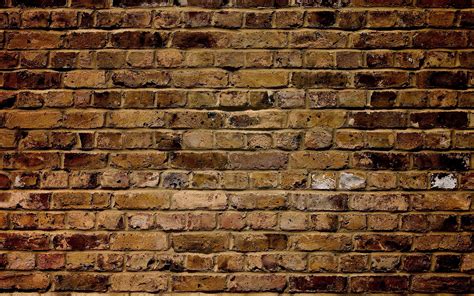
x,y
236,146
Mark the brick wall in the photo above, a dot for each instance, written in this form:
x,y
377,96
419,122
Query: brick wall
x,y
237,146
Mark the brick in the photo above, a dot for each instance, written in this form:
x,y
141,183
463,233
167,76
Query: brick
x,y
202,160
80,242
435,39
34,40
80,282
89,4
255,79
149,282
442,79
448,161
31,161
379,202
321,242
307,39
22,242
257,283
152,160
379,284
142,200
319,202
201,200
259,242
259,160
377,119
430,283
318,160
135,241
39,4
381,160
435,201
198,39
199,283
451,242
140,3
320,79
382,79
200,243
87,79
321,19
24,281
33,80
376,39
416,263
84,161
137,39
86,40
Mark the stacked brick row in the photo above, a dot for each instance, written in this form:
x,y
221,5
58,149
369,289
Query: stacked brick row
x,y
236,146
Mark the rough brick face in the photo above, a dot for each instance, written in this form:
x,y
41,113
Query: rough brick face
x,y
273,147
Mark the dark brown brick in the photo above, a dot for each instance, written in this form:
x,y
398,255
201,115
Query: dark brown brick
x,y
442,161
140,3
416,263
381,160
386,79
377,119
442,79
444,3
39,3
24,242
316,283
202,160
382,242
318,19
361,284
81,282
89,3
426,120
435,39
81,242
32,80
444,284
137,39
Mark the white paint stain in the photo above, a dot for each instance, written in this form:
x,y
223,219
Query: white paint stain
x,y
444,181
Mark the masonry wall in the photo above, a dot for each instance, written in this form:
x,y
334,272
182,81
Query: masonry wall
x,y
239,147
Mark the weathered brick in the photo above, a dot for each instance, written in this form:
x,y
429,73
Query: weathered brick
x,y
200,242
135,241
439,38
379,284
248,147
195,283
148,282
257,283
24,281
142,200
31,80
202,160
259,160
433,283
442,79
321,242
381,160
81,282
140,3
382,242
80,242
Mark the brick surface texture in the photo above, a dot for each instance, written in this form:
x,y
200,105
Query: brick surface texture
x,y
246,147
